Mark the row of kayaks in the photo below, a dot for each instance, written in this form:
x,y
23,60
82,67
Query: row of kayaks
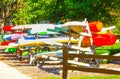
x,y
49,34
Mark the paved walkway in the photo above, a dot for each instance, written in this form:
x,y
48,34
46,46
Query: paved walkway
x,y
7,72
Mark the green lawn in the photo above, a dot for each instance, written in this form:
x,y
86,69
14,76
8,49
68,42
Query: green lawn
x,y
86,77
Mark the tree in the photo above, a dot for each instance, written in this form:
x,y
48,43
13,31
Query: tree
x,y
91,9
33,11
7,9
23,15
51,10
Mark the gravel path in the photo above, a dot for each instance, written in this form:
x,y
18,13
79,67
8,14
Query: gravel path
x,y
7,72
49,70
52,70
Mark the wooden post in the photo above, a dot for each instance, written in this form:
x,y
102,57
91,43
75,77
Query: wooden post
x,y
65,61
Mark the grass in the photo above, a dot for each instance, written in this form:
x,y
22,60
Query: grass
x,y
87,77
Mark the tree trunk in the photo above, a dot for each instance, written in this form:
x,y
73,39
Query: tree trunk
x,y
2,25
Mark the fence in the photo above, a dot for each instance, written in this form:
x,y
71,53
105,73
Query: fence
x,y
67,66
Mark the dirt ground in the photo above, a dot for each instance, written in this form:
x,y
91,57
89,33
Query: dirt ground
x,y
51,70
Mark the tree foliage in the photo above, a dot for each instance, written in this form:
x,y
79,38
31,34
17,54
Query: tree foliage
x,y
92,10
23,15
32,11
7,9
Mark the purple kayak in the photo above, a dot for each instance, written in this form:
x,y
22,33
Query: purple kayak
x,y
15,36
